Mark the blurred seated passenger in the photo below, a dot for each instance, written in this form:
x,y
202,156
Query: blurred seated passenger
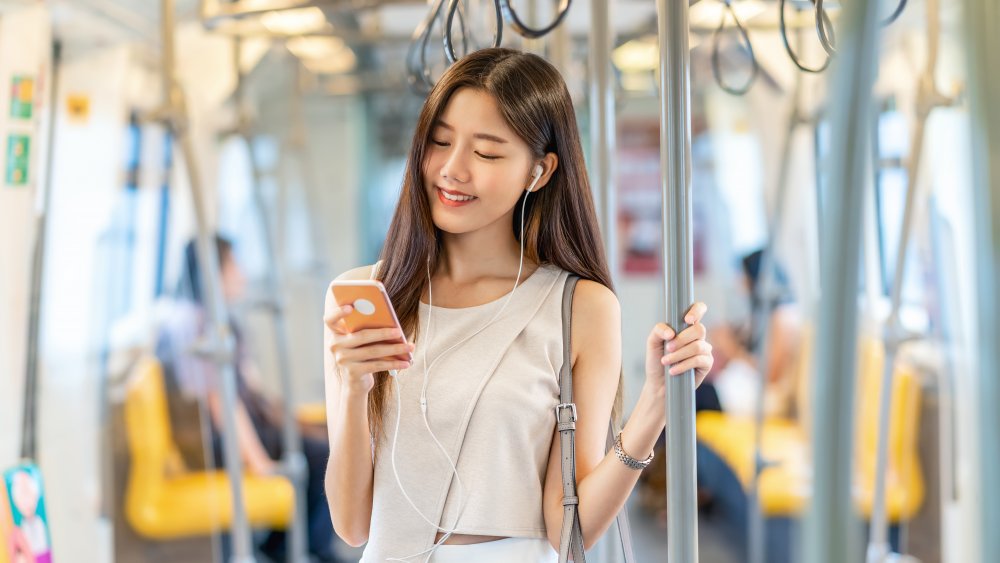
x,y
735,381
258,418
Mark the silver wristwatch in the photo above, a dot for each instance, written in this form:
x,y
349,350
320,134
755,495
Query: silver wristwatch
x,y
628,460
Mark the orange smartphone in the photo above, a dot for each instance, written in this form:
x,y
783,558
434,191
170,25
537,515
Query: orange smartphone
x,y
372,307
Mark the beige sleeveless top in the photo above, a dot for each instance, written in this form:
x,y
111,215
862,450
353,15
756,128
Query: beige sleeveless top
x,y
490,402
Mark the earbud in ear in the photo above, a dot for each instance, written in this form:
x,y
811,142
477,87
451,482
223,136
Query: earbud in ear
x,y
536,174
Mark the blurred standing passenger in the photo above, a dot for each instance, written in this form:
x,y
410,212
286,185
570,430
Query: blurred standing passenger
x,y
258,418
736,378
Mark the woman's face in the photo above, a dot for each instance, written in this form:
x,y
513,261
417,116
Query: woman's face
x,y
473,152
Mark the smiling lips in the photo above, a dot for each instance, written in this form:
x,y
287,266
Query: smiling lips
x,y
454,199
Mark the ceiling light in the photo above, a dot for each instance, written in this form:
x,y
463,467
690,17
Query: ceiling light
x,y
294,22
643,54
323,55
637,55
314,47
707,15
341,63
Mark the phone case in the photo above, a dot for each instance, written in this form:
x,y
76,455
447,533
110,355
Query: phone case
x,y
372,307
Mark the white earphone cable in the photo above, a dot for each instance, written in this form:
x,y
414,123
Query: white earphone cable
x,y
423,397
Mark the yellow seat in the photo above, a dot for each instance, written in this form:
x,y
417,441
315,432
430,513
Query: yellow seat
x,y
904,478
311,413
786,486
162,501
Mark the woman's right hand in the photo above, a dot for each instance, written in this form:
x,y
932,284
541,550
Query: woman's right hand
x,y
359,355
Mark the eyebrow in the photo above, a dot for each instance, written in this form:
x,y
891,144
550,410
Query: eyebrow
x,y
483,136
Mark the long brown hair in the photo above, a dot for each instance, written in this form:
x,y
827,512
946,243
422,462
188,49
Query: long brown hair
x,y
561,225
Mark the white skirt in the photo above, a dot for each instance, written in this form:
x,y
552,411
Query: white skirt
x,y
521,550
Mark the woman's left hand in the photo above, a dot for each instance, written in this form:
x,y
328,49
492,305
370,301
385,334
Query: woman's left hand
x,y
688,350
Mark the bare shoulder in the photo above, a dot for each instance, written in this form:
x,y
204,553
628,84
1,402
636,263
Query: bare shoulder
x,y
596,317
594,301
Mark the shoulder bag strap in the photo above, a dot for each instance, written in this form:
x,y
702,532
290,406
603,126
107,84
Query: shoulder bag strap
x,y
571,538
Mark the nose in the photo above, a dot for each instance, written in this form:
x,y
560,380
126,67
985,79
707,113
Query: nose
x,y
455,167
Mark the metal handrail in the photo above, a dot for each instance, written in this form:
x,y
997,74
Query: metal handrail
x,y
761,325
675,153
29,426
293,461
220,344
981,21
895,335
830,533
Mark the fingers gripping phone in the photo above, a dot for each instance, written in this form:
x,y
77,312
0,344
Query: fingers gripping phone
x,y
372,308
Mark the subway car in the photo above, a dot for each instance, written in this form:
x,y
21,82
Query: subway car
x,y
499,281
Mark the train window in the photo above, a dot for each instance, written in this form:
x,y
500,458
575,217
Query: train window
x,y
739,174
238,218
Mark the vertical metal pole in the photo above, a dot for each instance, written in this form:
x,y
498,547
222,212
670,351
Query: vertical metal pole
x,y
29,446
675,155
560,47
294,460
894,336
602,126
982,19
831,527
161,235
602,147
221,346
220,340
764,297
298,142
948,334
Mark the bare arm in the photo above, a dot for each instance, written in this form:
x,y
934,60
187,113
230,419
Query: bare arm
x,y
349,361
603,482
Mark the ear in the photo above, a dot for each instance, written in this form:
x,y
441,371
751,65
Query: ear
x,y
549,164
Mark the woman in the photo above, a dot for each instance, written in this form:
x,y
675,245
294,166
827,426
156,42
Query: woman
x,y
454,457
258,419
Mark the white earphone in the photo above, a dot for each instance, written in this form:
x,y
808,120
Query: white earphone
x,y
536,174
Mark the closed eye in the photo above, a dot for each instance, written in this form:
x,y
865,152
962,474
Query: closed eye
x,y
440,143
487,156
